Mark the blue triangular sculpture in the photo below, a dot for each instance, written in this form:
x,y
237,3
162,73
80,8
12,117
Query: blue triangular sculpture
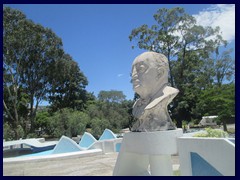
x,y
200,167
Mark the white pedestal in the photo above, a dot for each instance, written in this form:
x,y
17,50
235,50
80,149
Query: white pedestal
x,y
147,153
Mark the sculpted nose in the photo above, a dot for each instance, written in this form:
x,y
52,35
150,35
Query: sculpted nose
x,y
134,73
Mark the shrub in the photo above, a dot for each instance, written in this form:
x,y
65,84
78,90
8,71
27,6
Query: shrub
x,y
98,126
9,134
68,122
216,133
43,122
32,135
20,131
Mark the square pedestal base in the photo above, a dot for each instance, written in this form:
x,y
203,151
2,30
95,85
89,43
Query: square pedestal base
x,y
147,153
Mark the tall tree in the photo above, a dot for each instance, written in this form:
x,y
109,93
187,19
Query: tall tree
x,y
11,79
224,67
29,53
218,101
111,96
68,85
161,37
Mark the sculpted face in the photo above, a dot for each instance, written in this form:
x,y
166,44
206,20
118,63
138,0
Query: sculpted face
x,y
148,75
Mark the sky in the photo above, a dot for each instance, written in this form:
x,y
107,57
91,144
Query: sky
x,y
96,36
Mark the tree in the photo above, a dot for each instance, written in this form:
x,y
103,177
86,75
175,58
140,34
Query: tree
x,y
218,101
224,67
115,108
11,19
98,126
68,122
15,109
110,107
29,53
43,123
187,47
68,85
160,38
111,96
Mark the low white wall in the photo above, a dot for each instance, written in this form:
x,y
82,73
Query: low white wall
x,y
109,145
141,150
218,152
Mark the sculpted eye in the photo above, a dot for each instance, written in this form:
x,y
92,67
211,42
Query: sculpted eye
x,y
142,68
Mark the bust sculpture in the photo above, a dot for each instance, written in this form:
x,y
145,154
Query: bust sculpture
x,y
150,82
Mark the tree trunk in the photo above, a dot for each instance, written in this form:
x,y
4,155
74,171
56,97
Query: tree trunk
x,y
31,113
14,117
170,70
224,125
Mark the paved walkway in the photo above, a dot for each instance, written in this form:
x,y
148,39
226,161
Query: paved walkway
x,y
97,165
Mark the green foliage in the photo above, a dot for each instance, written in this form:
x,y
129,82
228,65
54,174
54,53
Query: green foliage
x,y
29,53
225,67
43,122
68,122
32,135
8,133
184,125
68,85
35,67
98,125
111,96
114,112
111,107
15,109
78,123
218,101
215,133
20,131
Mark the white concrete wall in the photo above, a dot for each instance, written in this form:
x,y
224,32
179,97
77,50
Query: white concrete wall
x,y
50,157
218,152
141,150
106,145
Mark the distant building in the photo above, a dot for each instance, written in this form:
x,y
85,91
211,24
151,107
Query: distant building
x,y
208,121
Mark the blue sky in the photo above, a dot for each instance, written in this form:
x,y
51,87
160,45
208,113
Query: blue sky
x,y
96,36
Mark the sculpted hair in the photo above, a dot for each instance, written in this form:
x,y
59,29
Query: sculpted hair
x,y
160,61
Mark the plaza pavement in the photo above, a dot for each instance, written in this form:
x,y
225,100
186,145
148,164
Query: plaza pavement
x,y
95,165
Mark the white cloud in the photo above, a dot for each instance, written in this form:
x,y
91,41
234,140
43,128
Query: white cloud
x,y
222,15
120,75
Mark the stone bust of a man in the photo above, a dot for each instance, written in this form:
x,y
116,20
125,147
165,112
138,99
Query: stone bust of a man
x,y
150,82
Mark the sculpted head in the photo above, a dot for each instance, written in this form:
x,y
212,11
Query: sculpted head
x,y
149,73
